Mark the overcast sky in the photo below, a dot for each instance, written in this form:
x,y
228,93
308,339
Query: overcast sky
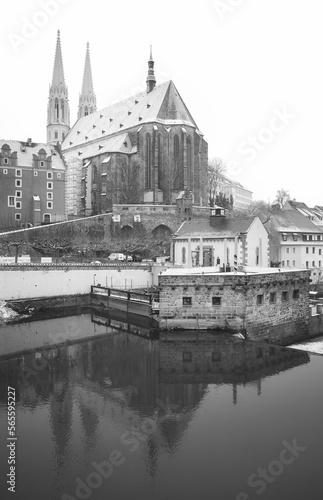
x,y
249,71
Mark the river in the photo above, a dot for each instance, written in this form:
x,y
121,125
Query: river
x,y
112,413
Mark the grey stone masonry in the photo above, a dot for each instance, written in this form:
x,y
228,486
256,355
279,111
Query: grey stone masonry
x,y
270,306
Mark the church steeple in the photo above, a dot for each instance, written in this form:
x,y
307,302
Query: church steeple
x,y
58,111
87,99
151,80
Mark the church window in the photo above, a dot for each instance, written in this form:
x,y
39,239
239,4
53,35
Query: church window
x,y
56,109
189,162
86,111
56,134
176,167
160,167
62,109
148,162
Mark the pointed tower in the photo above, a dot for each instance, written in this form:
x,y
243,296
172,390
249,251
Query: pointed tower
x,y
58,111
151,80
87,100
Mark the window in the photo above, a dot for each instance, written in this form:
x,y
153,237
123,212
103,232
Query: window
x,y
18,194
295,237
49,175
46,218
17,216
35,174
287,250
216,356
320,251
18,183
187,301
18,173
313,263
5,161
49,205
306,249
216,301
320,263
310,237
260,299
56,134
5,171
49,195
294,263
59,176
284,296
294,249
187,356
319,236
272,297
295,294
307,263
42,163
49,185
11,201
304,237
148,173
313,250
18,205
287,263
283,263
183,255
284,235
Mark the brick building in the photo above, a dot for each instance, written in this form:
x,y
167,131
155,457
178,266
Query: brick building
x,y
145,149
32,184
268,305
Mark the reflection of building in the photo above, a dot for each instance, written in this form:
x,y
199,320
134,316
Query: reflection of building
x,y
32,183
224,241
220,359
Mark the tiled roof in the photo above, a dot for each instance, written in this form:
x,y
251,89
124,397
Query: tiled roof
x,y
291,221
162,105
25,158
223,227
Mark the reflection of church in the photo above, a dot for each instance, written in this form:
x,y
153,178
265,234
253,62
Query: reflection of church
x,y
144,149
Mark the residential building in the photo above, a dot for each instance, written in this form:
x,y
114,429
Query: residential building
x,y
221,241
296,242
241,196
32,184
314,214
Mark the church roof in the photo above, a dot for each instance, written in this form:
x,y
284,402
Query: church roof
x,y
87,86
58,72
162,105
222,228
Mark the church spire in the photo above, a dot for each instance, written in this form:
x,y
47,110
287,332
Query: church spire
x,y
87,99
58,111
151,80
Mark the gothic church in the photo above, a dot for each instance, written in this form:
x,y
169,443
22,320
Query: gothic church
x,y
146,149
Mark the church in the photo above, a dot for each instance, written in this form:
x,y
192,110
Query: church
x,y
146,149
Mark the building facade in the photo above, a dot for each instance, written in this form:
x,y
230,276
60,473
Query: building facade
x,y
240,196
224,241
32,184
145,149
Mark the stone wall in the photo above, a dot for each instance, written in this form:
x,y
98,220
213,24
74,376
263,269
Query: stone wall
x,y
238,302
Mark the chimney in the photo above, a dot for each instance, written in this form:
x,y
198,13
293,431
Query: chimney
x,y
216,213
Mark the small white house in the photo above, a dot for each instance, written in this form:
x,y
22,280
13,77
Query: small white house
x,y
225,241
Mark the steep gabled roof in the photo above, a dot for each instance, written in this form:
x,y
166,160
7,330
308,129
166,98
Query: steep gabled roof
x,y
162,105
222,228
25,153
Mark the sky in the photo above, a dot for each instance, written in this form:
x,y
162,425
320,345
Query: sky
x,y
249,71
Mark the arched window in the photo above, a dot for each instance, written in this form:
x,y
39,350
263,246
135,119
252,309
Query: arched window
x,y
86,111
46,218
159,158
56,109
176,166
189,162
183,255
148,162
62,109
56,134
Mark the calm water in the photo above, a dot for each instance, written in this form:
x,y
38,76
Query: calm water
x,y
119,416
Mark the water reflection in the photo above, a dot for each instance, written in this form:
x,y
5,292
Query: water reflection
x,y
172,408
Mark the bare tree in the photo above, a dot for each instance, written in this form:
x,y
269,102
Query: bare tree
x,y
282,196
216,171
